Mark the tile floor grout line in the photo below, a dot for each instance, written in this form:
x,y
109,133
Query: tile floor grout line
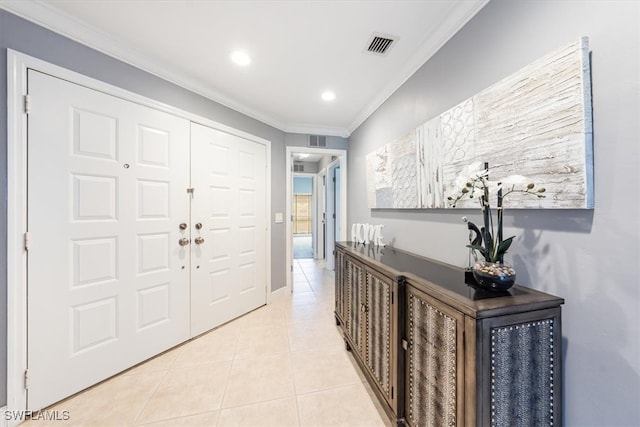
x,y
293,371
155,389
320,283
226,383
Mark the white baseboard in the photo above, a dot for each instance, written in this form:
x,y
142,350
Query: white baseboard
x,y
279,294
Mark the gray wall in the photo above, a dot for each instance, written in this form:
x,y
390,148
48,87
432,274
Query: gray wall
x,y
26,37
590,258
309,167
302,140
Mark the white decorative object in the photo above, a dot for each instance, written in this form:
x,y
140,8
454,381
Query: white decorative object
x,y
536,122
367,234
378,236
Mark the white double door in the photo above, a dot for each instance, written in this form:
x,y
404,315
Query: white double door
x,y
145,229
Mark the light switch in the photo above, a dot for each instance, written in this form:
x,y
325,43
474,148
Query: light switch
x,y
279,218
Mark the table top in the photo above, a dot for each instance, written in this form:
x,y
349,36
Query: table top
x,y
447,282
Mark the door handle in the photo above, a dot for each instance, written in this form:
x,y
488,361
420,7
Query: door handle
x,y
184,241
199,240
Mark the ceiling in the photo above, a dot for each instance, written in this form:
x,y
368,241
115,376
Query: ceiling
x,y
298,49
308,157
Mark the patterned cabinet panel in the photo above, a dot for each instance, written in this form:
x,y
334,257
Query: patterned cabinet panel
x,y
340,286
355,304
435,357
378,330
524,372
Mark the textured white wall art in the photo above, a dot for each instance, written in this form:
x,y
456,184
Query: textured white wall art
x,y
392,175
536,122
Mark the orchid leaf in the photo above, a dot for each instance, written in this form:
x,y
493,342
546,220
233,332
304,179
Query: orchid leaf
x,y
504,246
478,248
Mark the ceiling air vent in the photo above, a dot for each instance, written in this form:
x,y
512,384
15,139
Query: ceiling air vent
x,y
379,44
298,168
317,141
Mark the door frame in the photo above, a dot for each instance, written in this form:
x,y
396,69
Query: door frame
x,y
17,65
330,209
319,188
342,159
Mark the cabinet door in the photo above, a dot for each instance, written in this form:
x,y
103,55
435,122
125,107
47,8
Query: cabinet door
x,y
355,305
521,379
378,330
340,288
434,362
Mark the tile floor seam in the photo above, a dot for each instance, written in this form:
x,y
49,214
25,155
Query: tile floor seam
x,y
320,390
226,383
295,391
143,407
306,331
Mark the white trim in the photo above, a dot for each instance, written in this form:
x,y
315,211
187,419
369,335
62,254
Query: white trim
x,y
320,209
331,223
316,129
342,158
17,65
268,224
278,294
47,16
459,15
16,227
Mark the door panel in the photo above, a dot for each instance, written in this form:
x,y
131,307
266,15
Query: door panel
x,y
108,282
229,271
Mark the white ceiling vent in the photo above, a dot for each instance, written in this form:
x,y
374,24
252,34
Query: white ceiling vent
x,y
379,44
317,141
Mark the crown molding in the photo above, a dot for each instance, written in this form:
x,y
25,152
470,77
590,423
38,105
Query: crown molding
x,y
317,130
457,18
44,15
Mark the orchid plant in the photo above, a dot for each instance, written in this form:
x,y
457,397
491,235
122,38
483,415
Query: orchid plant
x,y
474,183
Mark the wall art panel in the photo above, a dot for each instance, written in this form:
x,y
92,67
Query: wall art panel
x,y
536,122
392,174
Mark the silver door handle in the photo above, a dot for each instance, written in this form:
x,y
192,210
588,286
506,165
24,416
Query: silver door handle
x,y
184,241
199,240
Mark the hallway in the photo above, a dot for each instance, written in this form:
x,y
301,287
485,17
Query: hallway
x,y
281,365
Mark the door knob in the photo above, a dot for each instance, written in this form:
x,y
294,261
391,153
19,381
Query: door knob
x,y
198,226
199,240
183,226
184,241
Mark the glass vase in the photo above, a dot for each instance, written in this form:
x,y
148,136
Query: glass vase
x,y
494,275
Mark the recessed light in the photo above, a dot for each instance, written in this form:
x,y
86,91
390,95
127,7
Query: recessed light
x,y
241,58
328,95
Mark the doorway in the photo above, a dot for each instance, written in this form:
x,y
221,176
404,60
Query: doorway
x,y
333,212
303,217
330,215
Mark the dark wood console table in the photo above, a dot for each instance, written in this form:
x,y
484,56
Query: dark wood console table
x,y
439,352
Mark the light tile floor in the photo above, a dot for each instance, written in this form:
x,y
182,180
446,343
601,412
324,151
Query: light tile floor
x,y
281,365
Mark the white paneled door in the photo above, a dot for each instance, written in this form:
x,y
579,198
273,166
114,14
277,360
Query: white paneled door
x,y
229,210
115,275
